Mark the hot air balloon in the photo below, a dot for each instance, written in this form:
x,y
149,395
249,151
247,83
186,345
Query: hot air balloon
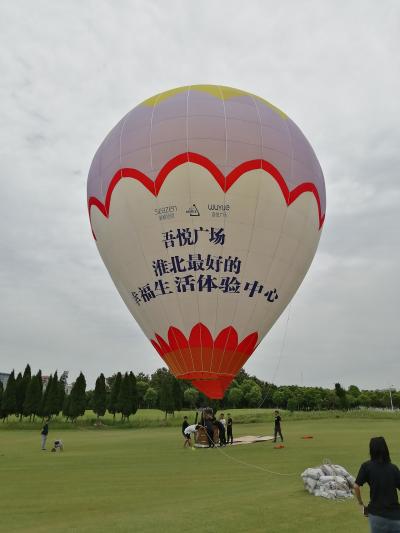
x,y
206,204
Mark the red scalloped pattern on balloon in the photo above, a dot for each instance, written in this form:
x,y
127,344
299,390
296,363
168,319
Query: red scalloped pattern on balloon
x,y
225,182
209,364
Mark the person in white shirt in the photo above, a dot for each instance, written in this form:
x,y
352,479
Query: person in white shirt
x,y
188,432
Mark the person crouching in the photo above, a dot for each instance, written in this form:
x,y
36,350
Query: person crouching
x,y
188,432
58,446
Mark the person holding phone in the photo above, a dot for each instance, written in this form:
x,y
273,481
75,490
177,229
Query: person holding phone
x,y
383,478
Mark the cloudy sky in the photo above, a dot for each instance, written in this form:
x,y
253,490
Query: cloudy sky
x,y
71,70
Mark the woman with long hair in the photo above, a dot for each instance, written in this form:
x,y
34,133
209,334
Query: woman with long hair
x,y
383,478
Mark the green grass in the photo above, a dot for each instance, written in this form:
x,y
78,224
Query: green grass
x,y
142,480
147,418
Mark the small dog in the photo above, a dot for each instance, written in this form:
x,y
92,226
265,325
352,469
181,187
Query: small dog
x,y
58,445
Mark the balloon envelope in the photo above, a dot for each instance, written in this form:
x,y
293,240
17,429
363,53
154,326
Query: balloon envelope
x,y
207,204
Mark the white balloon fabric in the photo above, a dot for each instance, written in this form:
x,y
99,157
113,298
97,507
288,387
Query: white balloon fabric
x,y
207,204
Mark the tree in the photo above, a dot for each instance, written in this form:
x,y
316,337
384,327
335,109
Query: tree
x,y
1,400
177,394
352,401
143,377
311,398
151,397
127,400
235,396
332,400
241,376
341,394
113,402
190,397
292,404
279,398
99,401
142,387
66,403
61,393
134,392
267,392
51,406
77,400
364,399
9,402
396,399
26,379
33,396
354,391
253,395
158,377
19,395
166,394
89,399
110,381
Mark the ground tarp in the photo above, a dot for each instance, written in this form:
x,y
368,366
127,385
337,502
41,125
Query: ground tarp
x,y
251,439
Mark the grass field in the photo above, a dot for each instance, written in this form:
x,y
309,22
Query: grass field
x,y
143,480
146,418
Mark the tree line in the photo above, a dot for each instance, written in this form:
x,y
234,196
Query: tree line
x,y
122,394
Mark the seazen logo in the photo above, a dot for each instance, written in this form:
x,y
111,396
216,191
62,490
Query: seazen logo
x,y
166,212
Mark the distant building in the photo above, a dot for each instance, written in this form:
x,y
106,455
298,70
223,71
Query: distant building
x,y
45,382
64,379
4,378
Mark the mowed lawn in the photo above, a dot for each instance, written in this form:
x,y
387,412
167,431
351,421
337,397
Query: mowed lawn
x,y
143,480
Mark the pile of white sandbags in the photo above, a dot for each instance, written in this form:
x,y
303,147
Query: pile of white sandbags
x,y
329,481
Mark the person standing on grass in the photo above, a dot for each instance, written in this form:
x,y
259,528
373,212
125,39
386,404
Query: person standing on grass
x,y
383,478
221,428
229,429
44,433
277,426
209,425
185,424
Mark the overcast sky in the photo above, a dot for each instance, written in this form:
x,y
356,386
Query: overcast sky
x,y
70,70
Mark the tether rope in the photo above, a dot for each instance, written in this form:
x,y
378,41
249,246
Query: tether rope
x,y
244,463
279,358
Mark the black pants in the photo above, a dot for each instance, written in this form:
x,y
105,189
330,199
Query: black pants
x,y
277,431
210,433
229,435
222,437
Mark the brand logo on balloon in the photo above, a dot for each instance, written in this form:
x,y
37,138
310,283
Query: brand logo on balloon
x,y
166,212
206,205
193,211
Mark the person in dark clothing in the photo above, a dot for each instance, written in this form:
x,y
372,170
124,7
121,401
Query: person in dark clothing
x,y
210,432
383,478
221,432
229,429
185,424
44,433
277,426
